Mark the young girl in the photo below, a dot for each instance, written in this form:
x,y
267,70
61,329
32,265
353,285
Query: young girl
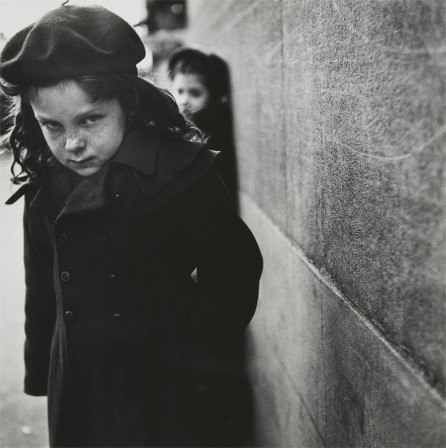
x,y
200,85
119,211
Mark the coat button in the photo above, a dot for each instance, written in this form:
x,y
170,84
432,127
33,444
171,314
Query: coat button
x,y
69,316
117,199
119,318
114,278
63,238
104,240
65,276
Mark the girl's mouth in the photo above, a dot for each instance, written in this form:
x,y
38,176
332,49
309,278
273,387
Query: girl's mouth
x,y
82,161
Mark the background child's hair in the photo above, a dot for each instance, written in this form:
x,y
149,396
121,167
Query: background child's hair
x,y
144,104
211,67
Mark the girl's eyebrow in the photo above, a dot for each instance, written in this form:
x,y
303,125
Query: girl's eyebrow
x,y
95,109
43,118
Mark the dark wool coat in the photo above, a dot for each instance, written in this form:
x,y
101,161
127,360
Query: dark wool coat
x,y
129,348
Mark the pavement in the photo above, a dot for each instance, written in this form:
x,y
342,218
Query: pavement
x,y
23,419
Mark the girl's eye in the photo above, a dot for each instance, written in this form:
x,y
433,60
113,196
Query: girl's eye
x,y
92,119
52,125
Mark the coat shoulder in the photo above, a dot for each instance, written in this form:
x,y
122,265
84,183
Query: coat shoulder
x,y
177,155
180,165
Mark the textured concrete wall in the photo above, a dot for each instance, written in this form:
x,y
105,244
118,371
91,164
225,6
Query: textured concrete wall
x,y
340,118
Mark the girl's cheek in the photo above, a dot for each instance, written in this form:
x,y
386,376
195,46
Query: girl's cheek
x,y
54,143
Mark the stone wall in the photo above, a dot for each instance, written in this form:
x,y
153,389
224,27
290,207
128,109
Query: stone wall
x,y
340,121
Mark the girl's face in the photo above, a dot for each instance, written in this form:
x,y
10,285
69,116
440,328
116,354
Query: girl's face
x,y
82,135
190,92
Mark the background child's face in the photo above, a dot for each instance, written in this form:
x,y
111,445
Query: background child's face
x,y
190,92
81,134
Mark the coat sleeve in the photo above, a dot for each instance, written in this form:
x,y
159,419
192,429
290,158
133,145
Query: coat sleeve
x,y
39,312
229,263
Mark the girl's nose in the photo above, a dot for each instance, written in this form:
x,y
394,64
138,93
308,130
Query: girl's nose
x,y
74,143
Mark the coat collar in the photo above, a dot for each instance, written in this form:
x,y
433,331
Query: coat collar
x,y
57,195
139,150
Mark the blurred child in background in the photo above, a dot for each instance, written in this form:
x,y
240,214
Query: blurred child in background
x,y
201,87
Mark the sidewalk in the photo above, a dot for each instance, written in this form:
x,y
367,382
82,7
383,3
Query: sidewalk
x,y
22,418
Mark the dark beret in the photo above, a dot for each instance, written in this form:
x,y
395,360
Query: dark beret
x,y
71,41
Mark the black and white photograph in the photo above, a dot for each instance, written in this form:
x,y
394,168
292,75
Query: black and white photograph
x,y
223,223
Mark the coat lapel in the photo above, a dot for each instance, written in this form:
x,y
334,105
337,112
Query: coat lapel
x,y
89,194
50,197
57,197
139,150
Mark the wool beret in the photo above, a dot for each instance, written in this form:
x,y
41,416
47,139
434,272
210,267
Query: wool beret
x,y
71,41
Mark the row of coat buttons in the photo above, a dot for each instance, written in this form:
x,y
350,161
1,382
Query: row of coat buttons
x,y
65,276
117,317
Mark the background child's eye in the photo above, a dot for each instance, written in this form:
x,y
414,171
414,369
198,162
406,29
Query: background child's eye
x,y
195,93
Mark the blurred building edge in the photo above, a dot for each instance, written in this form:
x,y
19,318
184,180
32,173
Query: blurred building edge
x,y
165,15
165,23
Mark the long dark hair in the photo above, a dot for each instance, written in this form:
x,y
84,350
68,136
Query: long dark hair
x,y
144,104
